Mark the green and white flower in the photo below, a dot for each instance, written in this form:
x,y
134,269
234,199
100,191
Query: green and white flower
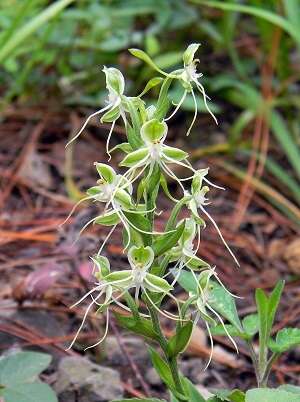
x,y
111,286
185,252
115,85
199,201
202,299
155,151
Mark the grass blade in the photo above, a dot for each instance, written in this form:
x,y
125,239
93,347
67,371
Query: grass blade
x,y
30,27
267,15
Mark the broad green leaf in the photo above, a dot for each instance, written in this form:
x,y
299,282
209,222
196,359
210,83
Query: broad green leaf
x,y
178,343
22,367
32,392
231,396
220,331
224,304
270,395
166,241
141,326
251,324
187,281
286,339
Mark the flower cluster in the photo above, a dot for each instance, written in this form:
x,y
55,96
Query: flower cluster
x,y
158,261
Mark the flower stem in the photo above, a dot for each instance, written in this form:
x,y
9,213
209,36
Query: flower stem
x,y
171,361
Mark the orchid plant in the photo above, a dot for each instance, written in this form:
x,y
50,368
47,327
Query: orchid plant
x,y
158,261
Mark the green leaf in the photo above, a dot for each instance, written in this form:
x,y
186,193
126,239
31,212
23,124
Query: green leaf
x,y
251,324
166,241
267,308
270,395
286,339
286,141
142,223
21,34
191,391
32,392
141,326
140,54
232,396
151,84
187,281
178,343
162,368
220,331
274,300
224,303
163,102
22,367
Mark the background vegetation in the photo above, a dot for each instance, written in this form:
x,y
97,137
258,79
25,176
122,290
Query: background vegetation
x,y
53,52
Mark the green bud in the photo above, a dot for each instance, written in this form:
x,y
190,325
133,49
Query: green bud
x,y
188,55
154,130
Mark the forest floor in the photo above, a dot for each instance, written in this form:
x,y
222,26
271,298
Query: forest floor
x,y
45,267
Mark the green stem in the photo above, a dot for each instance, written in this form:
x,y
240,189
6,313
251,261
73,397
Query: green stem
x,y
171,361
268,367
254,361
